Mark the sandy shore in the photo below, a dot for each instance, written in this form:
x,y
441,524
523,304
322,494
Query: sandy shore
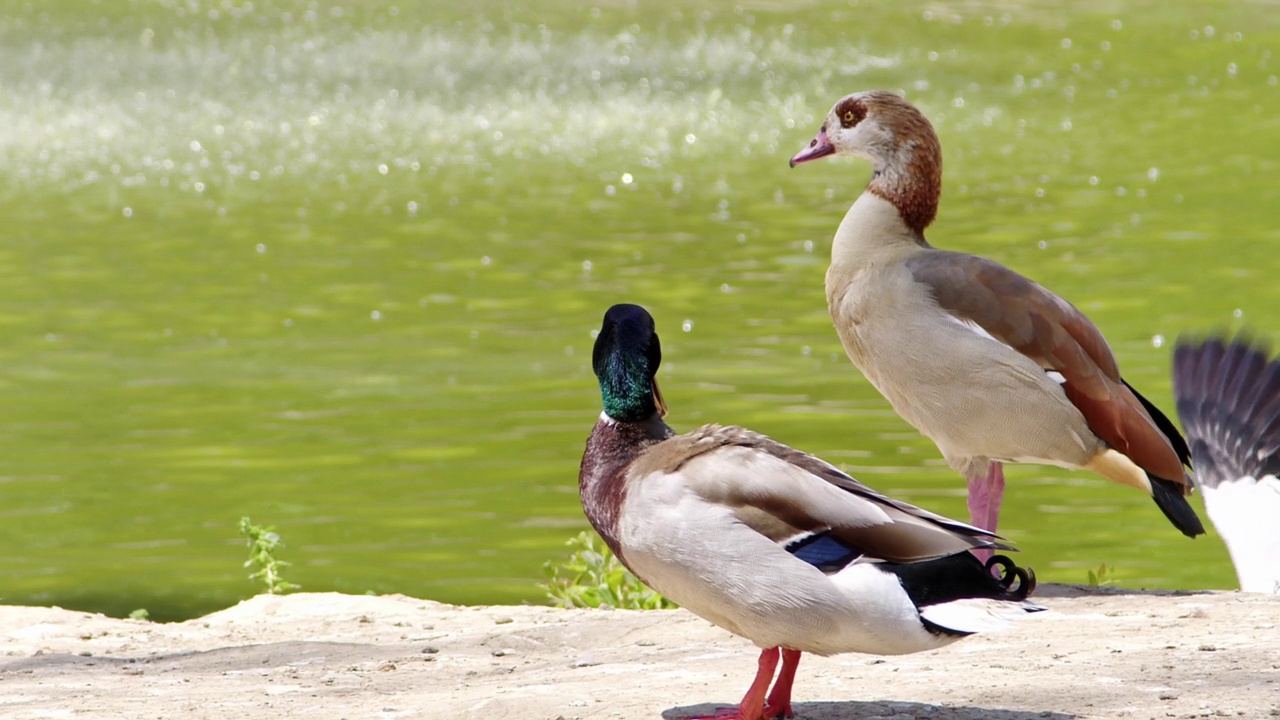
x,y
329,656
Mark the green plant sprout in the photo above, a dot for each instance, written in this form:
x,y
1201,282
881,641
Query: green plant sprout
x,y
591,576
263,543
1105,575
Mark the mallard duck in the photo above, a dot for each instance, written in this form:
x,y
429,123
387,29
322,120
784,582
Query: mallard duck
x,y
1228,399
772,544
989,365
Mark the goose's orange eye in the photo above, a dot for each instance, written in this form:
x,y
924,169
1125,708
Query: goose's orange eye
x,y
849,117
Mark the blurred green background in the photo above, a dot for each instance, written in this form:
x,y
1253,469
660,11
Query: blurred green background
x,y
337,266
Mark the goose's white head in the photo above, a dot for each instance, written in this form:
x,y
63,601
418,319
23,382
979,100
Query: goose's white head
x,y
878,126
899,142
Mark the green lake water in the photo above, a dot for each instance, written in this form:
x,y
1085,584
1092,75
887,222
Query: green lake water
x,y
336,266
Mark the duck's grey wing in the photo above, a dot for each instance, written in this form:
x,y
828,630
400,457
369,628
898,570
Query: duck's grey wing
x,y
812,508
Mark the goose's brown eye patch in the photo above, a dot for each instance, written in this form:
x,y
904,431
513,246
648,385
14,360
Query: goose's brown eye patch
x,y
851,113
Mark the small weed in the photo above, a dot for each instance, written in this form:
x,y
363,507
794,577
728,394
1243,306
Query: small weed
x,y
263,543
139,614
592,577
1104,575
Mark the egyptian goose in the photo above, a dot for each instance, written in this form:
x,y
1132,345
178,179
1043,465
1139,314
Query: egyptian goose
x,y
770,543
1228,398
989,365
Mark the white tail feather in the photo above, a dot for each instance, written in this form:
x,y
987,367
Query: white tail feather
x,y
975,615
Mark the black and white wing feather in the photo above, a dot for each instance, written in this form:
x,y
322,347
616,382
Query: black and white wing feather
x,y
1228,399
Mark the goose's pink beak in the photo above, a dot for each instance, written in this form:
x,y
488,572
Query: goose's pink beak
x,y
819,147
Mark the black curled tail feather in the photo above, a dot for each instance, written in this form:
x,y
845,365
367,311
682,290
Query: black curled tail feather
x,y
1018,582
961,577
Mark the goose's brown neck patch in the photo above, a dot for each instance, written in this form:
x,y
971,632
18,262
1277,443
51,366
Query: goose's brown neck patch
x,y
910,176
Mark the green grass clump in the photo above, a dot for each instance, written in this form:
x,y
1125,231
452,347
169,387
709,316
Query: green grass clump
x,y
591,576
263,543
1104,575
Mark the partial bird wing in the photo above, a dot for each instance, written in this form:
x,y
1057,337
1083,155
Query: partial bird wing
x,y
1228,397
817,512
1050,331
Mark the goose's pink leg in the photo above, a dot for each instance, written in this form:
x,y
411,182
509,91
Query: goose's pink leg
x,y
985,494
752,705
779,703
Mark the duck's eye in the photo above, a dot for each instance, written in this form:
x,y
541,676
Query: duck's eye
x,y
849,117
